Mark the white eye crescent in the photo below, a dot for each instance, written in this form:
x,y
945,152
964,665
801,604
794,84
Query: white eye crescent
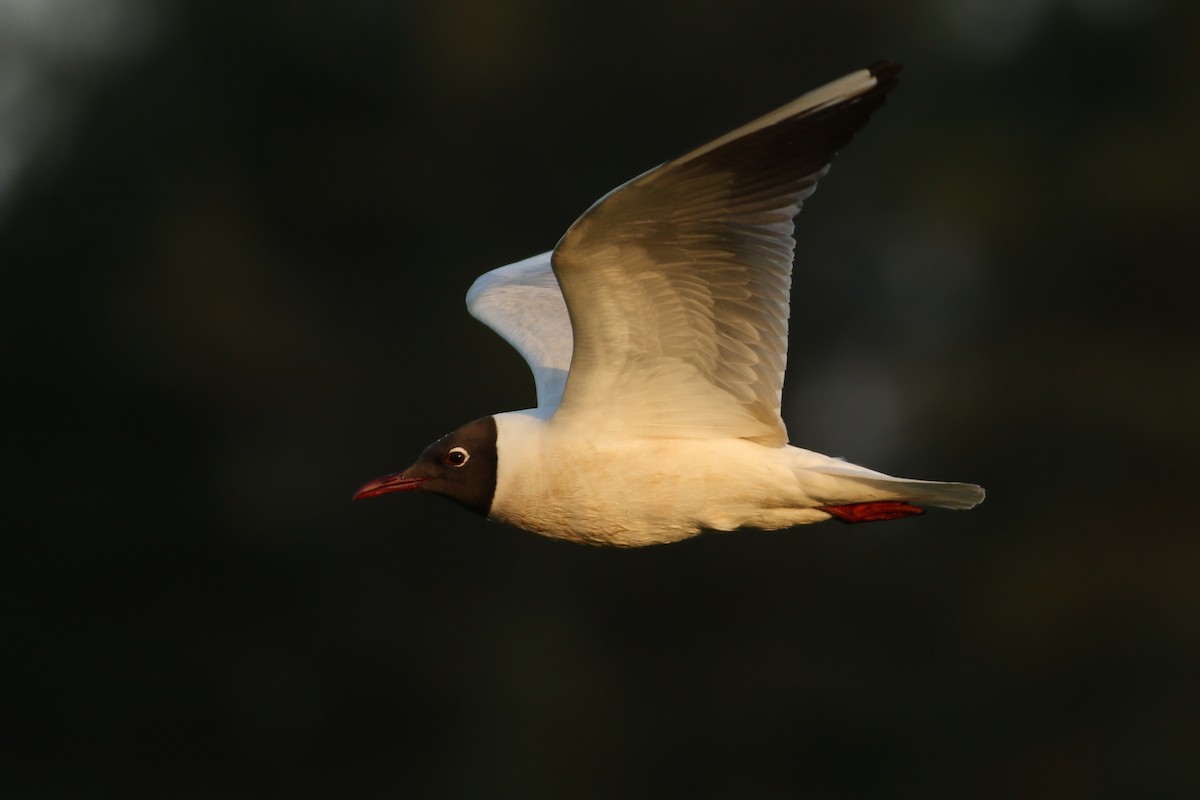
x,y
457,457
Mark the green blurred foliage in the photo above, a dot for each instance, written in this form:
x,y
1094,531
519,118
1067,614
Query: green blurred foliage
x,y
236,244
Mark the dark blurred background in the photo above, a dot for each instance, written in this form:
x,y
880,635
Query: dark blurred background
x,y
236,239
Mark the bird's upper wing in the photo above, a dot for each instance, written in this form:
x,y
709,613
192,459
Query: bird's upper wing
x,y
523,304
677,282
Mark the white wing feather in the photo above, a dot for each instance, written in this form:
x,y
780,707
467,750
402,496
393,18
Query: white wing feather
x,y
663,311
522,303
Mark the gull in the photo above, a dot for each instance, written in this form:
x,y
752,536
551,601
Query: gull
x,y
656,331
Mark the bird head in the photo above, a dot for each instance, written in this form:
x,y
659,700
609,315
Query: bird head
x,y
461,465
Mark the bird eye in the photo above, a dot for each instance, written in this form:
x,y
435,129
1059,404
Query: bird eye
x,y
457,457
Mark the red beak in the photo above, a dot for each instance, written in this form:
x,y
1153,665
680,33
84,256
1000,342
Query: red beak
x,y
396,482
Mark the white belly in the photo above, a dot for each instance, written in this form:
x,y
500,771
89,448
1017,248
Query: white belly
x,y
645,491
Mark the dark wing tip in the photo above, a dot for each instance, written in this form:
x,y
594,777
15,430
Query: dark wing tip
x,y
885,71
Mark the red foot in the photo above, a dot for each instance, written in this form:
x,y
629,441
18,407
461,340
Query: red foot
x,y
871,512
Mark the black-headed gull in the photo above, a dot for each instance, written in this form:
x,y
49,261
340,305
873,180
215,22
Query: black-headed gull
x,y
656,331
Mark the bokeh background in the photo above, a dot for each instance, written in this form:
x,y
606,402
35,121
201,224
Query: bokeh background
x,y
235,240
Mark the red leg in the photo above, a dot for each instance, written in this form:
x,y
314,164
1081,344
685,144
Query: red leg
x,y
871,512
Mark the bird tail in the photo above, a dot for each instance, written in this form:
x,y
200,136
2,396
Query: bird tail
x,y
862,484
